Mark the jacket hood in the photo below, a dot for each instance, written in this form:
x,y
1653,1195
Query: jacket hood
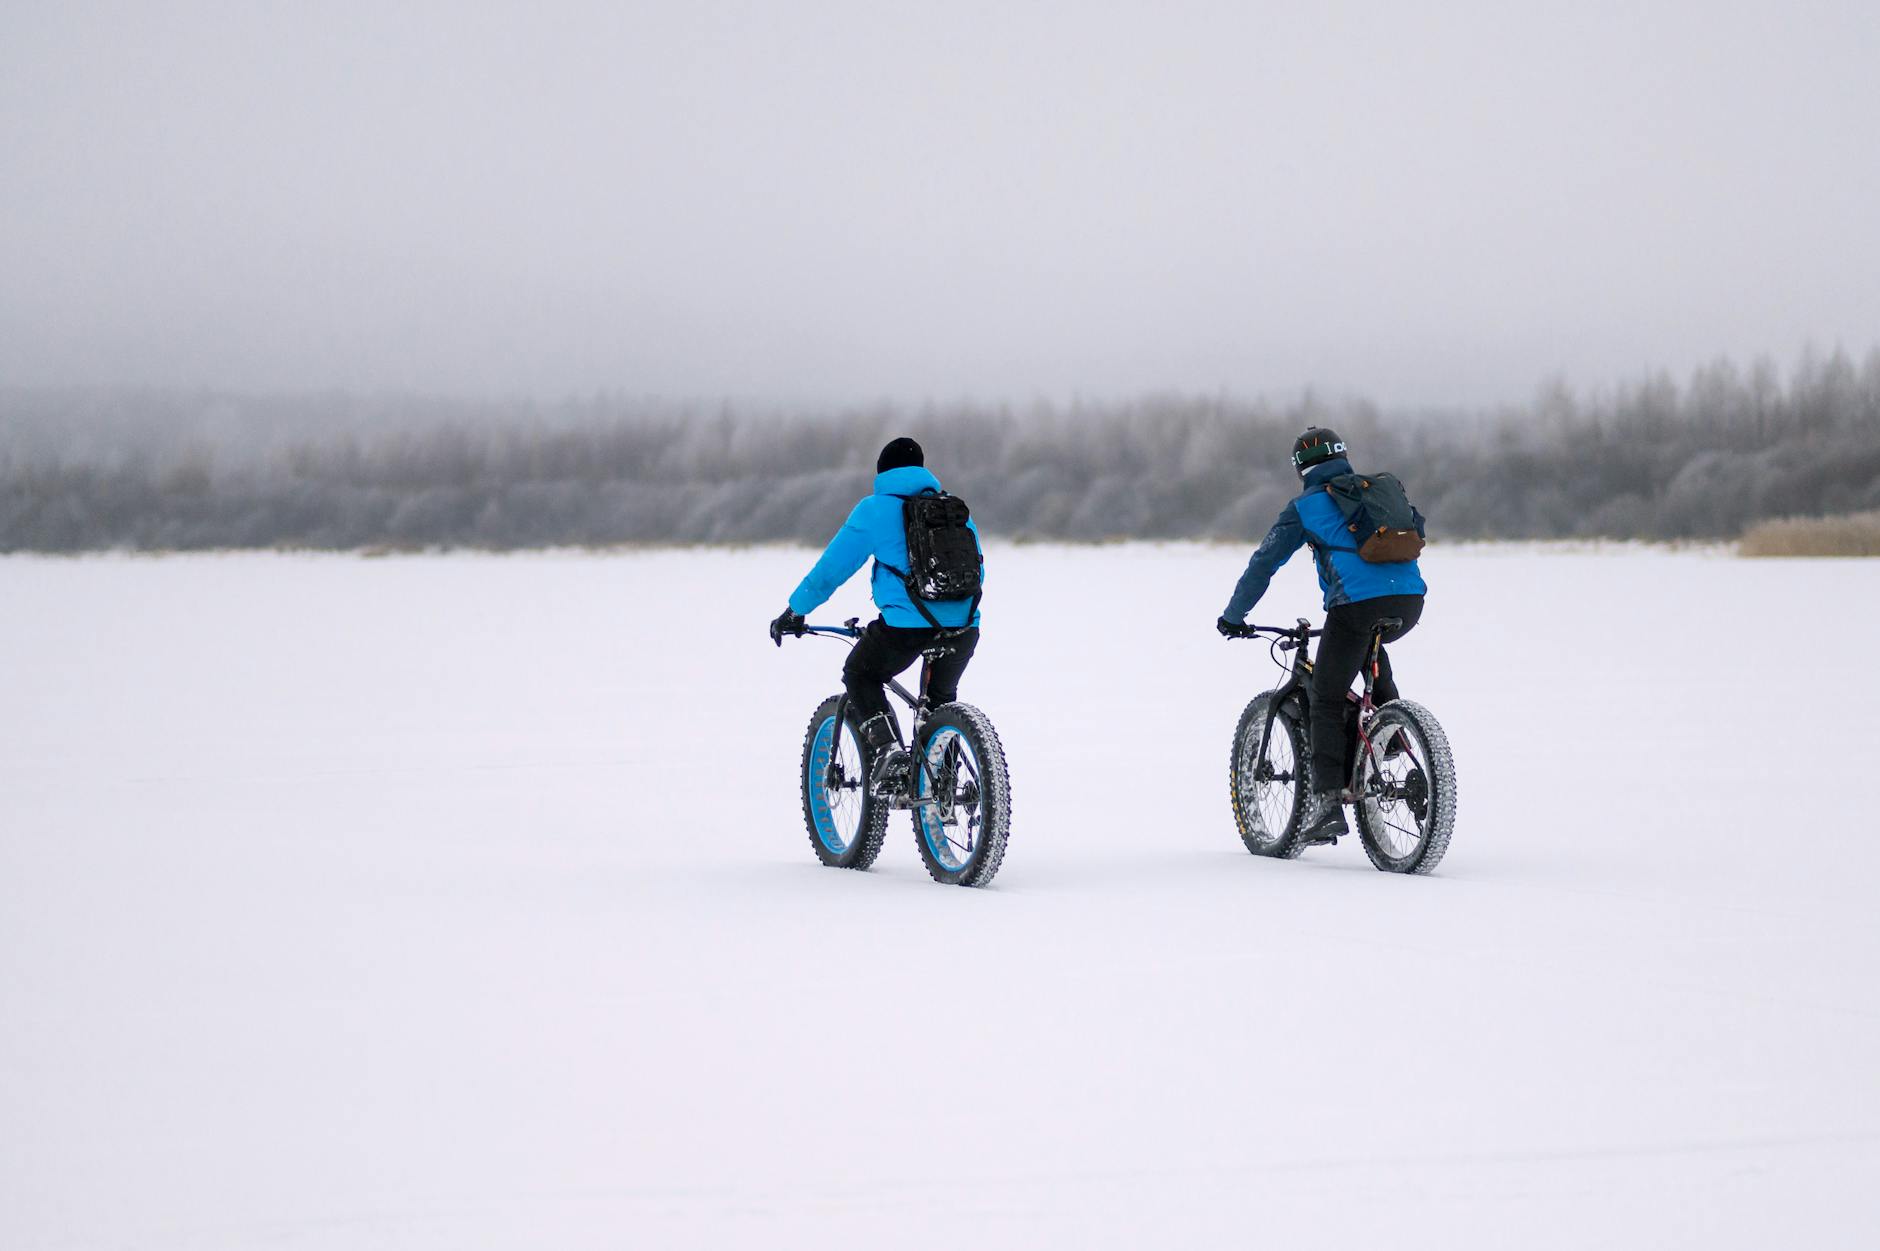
x,y
1320,474
907,480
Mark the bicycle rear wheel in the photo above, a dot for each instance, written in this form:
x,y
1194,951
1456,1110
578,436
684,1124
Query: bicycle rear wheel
x,y
847,823
1406,786
1268,794
961,769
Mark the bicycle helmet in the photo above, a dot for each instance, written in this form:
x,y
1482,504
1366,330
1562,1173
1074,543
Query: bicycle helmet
x,y
1314,447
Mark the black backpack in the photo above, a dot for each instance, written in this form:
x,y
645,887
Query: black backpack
x,y
1384,526
943,560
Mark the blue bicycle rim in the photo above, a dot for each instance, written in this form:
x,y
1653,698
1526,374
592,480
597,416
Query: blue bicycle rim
x,y
819,809
950,857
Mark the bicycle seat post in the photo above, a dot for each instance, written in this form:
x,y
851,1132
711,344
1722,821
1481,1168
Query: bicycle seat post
x,y
924,703
1384,626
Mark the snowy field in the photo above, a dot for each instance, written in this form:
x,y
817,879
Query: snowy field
x,y
464,902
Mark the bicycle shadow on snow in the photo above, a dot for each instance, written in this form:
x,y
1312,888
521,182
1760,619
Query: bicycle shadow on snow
x,y
1055,873
887,872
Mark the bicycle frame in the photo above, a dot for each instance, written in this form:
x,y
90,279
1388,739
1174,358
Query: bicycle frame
x,y
1299,677
920,705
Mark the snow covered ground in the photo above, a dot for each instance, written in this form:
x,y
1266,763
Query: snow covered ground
x,y
463,902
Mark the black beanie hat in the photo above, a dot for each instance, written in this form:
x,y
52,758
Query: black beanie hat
x,y
899,454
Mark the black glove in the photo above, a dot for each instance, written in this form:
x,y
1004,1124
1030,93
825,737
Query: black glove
x,y
1233,629
788,623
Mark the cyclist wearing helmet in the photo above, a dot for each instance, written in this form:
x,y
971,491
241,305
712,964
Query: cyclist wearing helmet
x,y
1358,594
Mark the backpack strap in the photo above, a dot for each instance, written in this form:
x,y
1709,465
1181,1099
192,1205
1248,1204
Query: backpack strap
x,y
1341,512
908,584
972,609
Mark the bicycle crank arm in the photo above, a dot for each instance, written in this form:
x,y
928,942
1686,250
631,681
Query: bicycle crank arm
x,y
903,801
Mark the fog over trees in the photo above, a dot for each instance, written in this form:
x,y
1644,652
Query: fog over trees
x,y
84,470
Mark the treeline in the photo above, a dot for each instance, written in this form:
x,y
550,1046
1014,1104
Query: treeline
x,y
89,470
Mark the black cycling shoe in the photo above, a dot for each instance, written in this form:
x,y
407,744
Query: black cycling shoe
x,y
889,770
888,762
1324,820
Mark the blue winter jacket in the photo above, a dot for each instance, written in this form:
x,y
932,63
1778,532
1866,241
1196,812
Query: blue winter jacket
x,y
1345,576
875,529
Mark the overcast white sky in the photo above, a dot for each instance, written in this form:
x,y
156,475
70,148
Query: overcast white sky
x,y
821,201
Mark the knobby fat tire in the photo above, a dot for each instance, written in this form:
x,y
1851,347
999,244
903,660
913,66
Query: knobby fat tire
x,y
872,830
995,801
1284,845
1421,723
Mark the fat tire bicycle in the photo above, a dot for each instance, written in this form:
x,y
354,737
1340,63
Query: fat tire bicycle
x,y
957,788
1402,778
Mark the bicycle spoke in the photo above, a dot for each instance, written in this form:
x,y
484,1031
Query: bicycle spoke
x,y
835,787
1269,783
1406,790
950,825
1411,837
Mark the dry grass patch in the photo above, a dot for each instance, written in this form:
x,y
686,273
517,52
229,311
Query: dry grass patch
x,y
1853,534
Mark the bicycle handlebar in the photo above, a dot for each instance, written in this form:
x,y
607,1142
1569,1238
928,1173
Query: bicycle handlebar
x,y
1302,630
848,629
852,630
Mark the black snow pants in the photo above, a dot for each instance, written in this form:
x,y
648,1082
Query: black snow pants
x,y
1341,654
885,650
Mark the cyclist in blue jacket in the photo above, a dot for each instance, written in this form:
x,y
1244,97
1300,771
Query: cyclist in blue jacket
x,y
1358,594
896,638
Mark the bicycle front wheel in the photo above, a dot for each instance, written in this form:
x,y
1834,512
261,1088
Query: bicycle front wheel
x,y
1406,787
1268,788
847,823
963,797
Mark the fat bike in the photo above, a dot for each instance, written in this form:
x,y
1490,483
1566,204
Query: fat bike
x,y
957,788
1403,777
